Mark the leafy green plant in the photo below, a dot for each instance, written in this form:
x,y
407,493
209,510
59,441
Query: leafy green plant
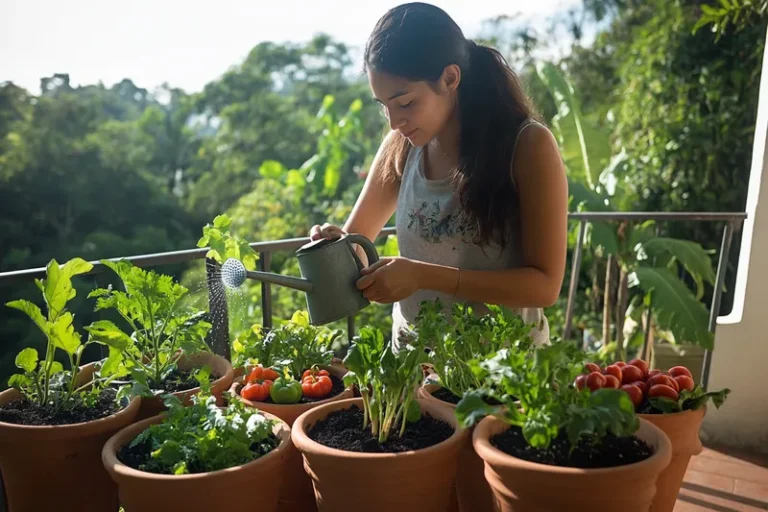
x,y
161,326
387,380
202,437
536,394
46,382
224,245
296,345
461,336
689,400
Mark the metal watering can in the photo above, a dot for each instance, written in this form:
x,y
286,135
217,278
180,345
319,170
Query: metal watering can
x,y
329,270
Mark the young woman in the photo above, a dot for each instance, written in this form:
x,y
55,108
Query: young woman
x,y
477,186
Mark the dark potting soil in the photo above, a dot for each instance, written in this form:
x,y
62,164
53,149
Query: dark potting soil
x,y
343,430
24,412
177,380
140,454
613,451
446,396
338,387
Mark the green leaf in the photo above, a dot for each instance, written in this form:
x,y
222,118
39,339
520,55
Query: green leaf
x,y
414,412
603,235
113,364
63,334
108,333
472,408
32,311
27,360
58,289
690,254
674,306
391,247
271,169
56,367
19,381
222,221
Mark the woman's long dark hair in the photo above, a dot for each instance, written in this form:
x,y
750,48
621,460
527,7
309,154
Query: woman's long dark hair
x,y
416,41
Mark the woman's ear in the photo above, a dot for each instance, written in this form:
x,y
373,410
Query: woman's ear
x,y
451,77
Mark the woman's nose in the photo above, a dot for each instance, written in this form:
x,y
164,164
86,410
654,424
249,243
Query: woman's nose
x,y
395,123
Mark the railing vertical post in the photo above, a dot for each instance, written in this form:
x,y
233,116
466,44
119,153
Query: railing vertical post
x,y
350,327
218,337
717,294
265,262
575,269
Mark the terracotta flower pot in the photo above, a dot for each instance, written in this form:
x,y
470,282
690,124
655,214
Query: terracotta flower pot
x,y
472,490
59,467
252,486
220,367
683,431
522,486
419,480
296,494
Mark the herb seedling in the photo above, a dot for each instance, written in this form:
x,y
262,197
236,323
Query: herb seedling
x,y
203,437
464,336
387,381
541,380
46,382
224,245
162,326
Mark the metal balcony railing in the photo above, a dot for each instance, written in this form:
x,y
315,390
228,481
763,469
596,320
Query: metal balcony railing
x,y
219,336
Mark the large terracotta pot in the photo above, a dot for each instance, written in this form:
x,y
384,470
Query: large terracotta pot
x,y
59,467
414,481
296,493
683,431
522,486
220,367
252,486
472,490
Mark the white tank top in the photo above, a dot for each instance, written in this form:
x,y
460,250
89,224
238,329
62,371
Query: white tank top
x,y
428,229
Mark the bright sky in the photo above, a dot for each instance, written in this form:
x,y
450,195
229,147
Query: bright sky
x,y
189,43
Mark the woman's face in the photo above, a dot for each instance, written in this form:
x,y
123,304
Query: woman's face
x,y
415,109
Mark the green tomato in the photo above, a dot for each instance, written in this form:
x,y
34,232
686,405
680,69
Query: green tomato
x,y
285,391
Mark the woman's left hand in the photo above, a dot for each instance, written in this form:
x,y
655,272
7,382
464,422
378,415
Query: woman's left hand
x,y
389,280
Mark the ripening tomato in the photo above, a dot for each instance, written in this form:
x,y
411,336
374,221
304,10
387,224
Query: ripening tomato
x,y
679,370
581,381
595,381
631,374
260,373
684,382
639,363
611,382
662,390
642,386
662,379
316,387
620,364
314,372
634,393
652,373
613,370
592,368
256,391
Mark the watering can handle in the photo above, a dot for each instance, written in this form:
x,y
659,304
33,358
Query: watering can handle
x,y
368,247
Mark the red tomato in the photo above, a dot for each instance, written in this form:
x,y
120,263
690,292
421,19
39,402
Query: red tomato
x,y
679,370
256,391
642,386
595,381
631,374
640,364
651,373
685,382
662,379
592,368
663,390
620,364
634,393
611,382
581,381
613,370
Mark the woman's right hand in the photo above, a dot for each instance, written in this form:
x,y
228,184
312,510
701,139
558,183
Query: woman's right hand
x,y
327,231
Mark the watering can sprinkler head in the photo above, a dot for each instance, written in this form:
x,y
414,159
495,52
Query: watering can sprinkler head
x,y
233,273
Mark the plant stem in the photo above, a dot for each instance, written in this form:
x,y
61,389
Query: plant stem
x,y
608,303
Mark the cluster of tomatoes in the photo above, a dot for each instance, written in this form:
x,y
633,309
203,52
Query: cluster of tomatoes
x,y
261,384
637,380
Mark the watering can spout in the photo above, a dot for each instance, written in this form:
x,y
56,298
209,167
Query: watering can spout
x,y
297,283
234,274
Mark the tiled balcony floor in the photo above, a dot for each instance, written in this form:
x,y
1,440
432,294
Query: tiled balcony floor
x,y
724,481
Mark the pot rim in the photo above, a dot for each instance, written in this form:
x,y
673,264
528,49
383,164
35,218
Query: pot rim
x,y
305,444
133,405
113,465
661,456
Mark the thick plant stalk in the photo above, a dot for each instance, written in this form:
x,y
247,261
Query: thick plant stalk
x,y
608,302
621,312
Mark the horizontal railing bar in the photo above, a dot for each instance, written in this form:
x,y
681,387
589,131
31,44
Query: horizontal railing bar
x,y
166,258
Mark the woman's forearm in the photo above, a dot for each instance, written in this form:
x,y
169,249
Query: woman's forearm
x,y
515,288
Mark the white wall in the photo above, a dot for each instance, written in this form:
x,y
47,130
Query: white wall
x,y
740,358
